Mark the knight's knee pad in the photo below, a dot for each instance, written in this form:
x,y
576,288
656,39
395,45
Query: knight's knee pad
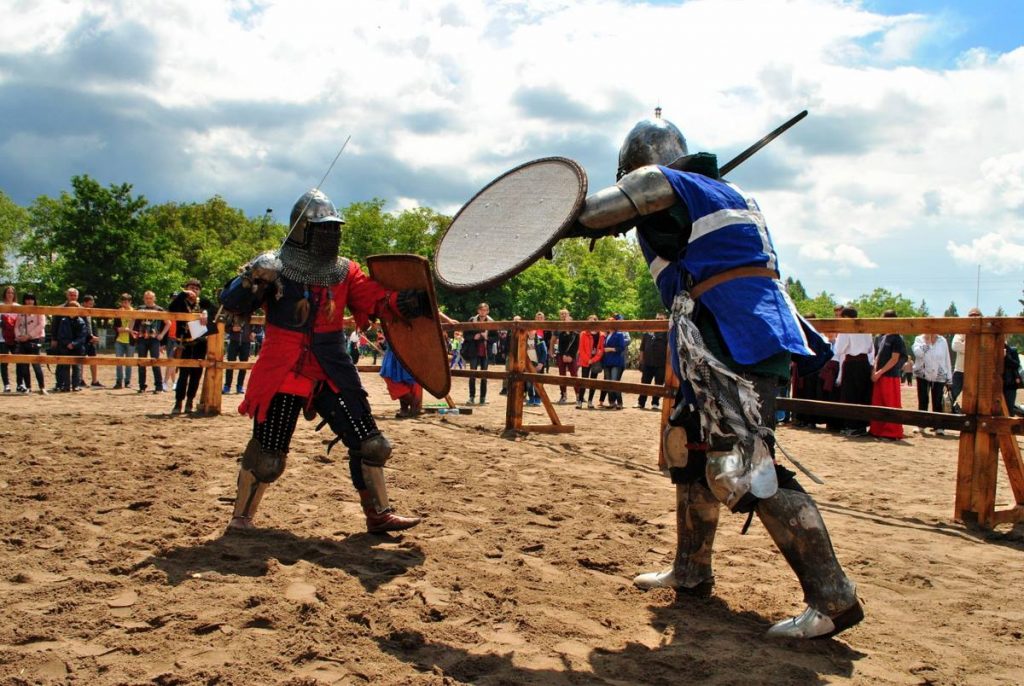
x,y
375,450
265,465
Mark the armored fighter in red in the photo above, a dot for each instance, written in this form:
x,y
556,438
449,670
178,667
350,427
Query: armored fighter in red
x,y
304,289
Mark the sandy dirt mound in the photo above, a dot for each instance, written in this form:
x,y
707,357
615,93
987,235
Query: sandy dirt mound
x,y
115,570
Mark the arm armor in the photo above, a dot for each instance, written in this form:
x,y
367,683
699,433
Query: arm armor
x,y
637,194
258,279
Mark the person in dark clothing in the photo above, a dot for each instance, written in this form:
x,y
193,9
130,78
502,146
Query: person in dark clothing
x,y
476,350
546,334
1012,379
653,349
188,300
856,357
568,363
240,339
147,334
70,335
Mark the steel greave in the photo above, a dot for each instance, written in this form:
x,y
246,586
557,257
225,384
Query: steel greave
x,y
697,512
795,525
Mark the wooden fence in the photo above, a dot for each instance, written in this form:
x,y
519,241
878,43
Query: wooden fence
x,y
986,428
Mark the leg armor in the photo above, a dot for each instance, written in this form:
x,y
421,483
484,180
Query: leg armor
x,y
697,513
348,415
795,524
264,458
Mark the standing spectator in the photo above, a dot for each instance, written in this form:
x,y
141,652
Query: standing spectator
x,y
30,334
90,345
257,341
806,387
933,371
477,351
959,346
908,371
546,335
381,344
7,341
653,349
147,333
1012,378
71,336
240,338
568,364
354,340
123,346
614,361
855,353
537,354
502,354
456,348
591,351
188,300
890,352
169,342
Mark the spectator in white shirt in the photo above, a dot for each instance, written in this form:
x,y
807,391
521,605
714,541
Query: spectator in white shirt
x,y
932,369
959,347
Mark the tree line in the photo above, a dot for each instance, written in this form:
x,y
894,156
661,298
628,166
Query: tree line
x,y
106,240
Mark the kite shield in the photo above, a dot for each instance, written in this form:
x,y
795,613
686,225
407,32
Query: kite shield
x,y
512,222
419,344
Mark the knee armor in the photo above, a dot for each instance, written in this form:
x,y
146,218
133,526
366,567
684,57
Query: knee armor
x,y
265,465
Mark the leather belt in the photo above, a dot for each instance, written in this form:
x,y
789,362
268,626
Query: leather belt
x,y
728,275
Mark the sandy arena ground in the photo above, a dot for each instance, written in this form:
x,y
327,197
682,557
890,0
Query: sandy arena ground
x,y
115,570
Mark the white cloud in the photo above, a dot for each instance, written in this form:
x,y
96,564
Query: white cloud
x,y
434,91
993,251
838,255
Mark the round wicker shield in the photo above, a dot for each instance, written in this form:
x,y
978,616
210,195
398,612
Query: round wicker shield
x,y
514,220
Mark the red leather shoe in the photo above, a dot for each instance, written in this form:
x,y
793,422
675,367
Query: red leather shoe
x,y
388,520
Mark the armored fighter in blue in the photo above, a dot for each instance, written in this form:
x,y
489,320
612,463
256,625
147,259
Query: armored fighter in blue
x,y
734,331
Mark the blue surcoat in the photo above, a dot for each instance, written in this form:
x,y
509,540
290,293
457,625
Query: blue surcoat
x,y
755,315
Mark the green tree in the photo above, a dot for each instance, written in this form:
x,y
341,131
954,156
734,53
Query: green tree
x,y
881,299
796,290
951,311
99,240
14,224
213,239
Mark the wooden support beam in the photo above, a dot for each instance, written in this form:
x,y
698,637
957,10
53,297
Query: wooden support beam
x,y
937,420
969,404
1010,516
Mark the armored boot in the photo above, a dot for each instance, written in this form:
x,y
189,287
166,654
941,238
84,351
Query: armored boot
x,y
795,524
696,522
259,469
250,493
380,517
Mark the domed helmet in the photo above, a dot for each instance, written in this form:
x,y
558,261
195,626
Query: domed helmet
x,y
310,253
651,141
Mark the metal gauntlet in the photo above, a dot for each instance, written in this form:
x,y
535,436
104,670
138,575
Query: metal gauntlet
x,y
261,272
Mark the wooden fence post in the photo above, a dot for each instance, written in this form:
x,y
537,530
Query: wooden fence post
x,y
213,379
516,386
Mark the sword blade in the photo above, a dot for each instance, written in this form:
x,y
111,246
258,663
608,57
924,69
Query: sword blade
x,y
810,475
742,157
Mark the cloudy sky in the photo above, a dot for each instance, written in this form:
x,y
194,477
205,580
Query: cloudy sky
x,y
908,173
